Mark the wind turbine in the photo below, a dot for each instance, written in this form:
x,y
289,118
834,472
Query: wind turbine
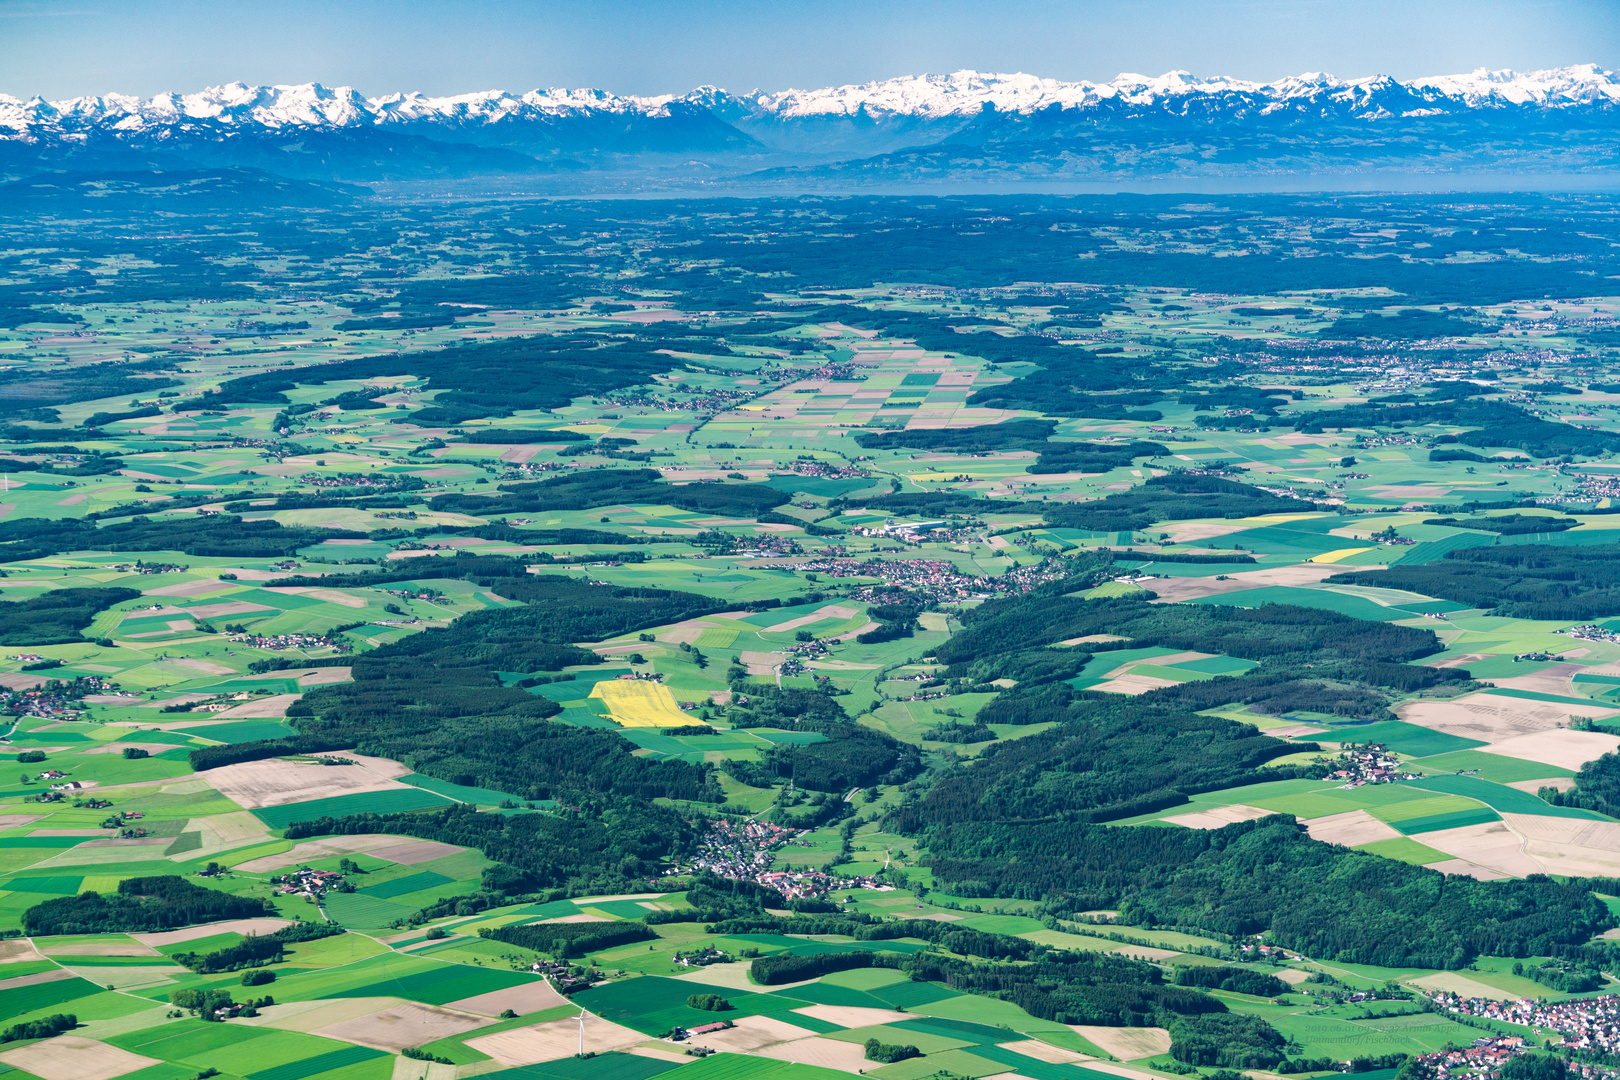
x,y
582,1033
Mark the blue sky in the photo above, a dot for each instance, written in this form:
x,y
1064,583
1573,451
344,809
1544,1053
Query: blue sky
x,y
61,48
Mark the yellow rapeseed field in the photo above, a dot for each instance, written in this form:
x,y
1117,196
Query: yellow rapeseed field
x,y
640,703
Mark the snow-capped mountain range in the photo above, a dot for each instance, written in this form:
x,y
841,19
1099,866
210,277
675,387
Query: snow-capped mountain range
x,y
1015,121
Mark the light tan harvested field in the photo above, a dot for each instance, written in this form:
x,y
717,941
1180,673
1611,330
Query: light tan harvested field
x,y
1564,749
234,828
1493,845
13,821
417,851
1052,1055
274,705
848,1016
15,949
855,633
1553,680
225,608
831,611
1352,829
554,1040
522,999
1220,817
73,1057
750,1036
190,588
827,1053
409,1024
309,1016
189,668
659,1053
110,945
229,926
36,978
1090,639
20,681
273,782
1292,976
1126,1043
380,766
1142,952
734,976
761,663
1294,731
311,849
1131,685
1493,719
1558,783
331,596
1464,868
71,832
580,918
1185,532
325,676
1176,590
780,1030
1459,984
1571,846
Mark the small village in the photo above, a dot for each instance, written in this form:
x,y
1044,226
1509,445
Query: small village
x,y
743,851
566,977
55,700
282,642
1586,1024
1591,632
1367,763
1486,1056
307,882
740,850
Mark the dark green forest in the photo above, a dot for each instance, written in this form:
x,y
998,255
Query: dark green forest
x,y
1520,581
56,617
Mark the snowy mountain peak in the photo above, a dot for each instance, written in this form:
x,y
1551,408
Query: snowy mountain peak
x,y
963,93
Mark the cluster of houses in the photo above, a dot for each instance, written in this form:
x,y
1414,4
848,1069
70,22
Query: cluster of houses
x,y
565,977
740,850
1259,950
702,957
1485,1056
307,882
55,700
1368,763
278,642
1591,632
797,884
1586,1024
